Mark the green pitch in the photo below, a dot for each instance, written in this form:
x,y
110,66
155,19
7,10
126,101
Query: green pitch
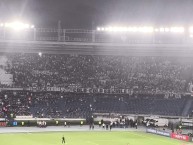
x,y
88,138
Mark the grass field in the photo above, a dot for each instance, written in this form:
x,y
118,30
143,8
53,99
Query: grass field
x,y
88,138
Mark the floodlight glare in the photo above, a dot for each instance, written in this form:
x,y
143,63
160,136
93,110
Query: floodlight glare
x,y
167,29
26,26
17,25
98,28
106,29
6,24
40,54
126,29
143,29
177,29
161,29
32,26
146,29
134,29
191,29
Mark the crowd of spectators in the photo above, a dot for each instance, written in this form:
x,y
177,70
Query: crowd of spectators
x,y
14,103
148,74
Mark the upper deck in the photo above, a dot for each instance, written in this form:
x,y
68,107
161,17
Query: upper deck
x,y
95,43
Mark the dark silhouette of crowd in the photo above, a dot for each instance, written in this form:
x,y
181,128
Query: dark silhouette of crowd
x,y
70,105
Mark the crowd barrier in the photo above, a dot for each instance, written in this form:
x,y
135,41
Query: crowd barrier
x,y
158,132
181,137
171,135
3,124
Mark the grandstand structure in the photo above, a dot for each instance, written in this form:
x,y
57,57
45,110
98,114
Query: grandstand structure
x,y
75,73
95,42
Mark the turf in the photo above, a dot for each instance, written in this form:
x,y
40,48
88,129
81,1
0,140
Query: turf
x,y
88,138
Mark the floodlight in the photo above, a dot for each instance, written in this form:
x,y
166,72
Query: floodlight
x,y
17,25
27,26
161,29
177,29
191,29
124,29
110,28
6,24
143,29
40,54
115,29
121,29
134,29
167,29
146,29
98,28
32,26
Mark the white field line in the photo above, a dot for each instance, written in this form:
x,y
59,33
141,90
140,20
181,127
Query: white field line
x,y
90,142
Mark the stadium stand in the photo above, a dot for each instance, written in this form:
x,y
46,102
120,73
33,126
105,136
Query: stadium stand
x,y
145,73
156,85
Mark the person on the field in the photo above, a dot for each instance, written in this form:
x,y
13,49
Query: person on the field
x,y
90,126
107,126
111,125
103,126
65,124
93,126
136,124
63,140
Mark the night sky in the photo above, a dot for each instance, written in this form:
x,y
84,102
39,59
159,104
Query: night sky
x,y
91,13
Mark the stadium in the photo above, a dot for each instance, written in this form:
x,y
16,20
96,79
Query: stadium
x,y
104,83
